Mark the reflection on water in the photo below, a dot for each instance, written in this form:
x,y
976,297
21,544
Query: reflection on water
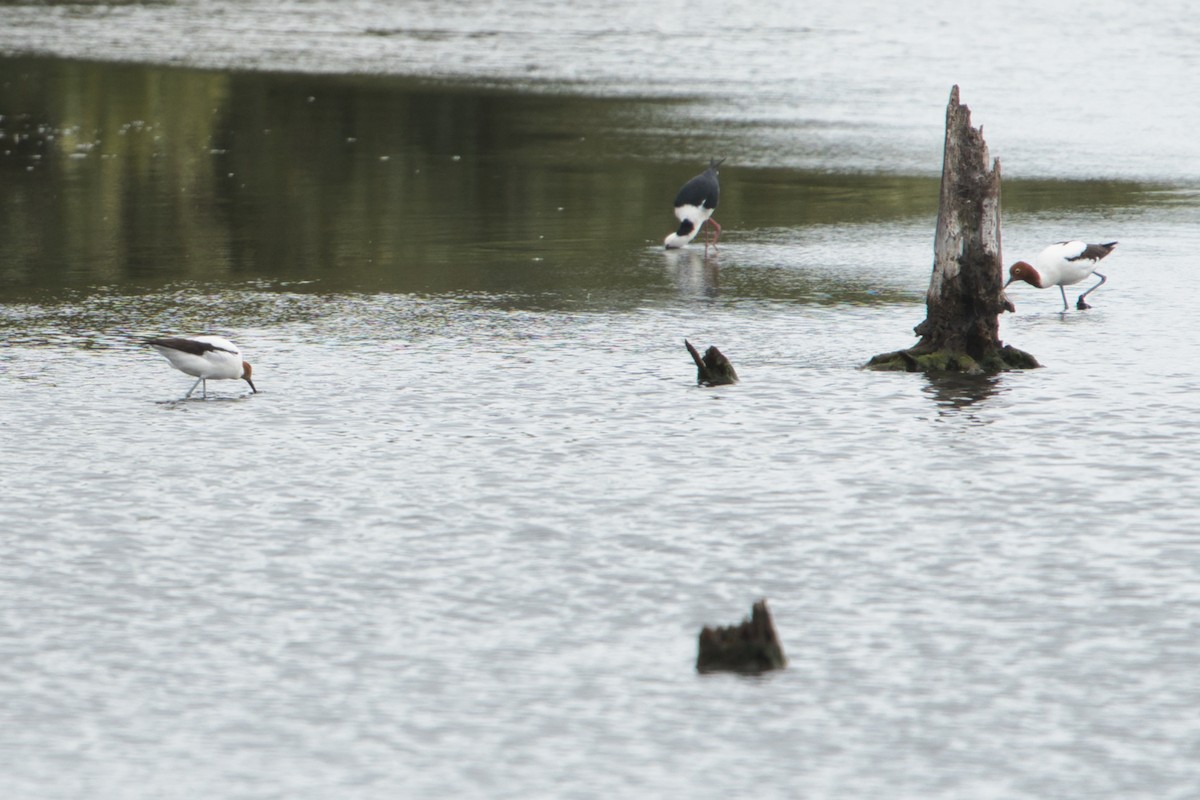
x,y
695,272
820,84
114,174
958,393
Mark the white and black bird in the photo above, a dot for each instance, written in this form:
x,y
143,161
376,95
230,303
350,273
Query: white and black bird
x,y
694,206
1063,264
204,357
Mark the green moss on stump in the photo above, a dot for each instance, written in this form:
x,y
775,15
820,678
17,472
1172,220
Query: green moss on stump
x,y
913,360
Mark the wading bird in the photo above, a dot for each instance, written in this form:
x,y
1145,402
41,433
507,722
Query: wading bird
x,y
1061,265
694,205
204,357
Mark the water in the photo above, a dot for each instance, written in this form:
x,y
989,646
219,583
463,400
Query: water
x,y
1066,88
462,542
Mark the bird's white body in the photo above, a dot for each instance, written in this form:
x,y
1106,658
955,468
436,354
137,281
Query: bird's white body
x,y
222,362
204,358
697,215
1063,264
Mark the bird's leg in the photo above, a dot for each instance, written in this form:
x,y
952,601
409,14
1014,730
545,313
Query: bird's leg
x,y
1064,294
1082,305
204,389
717,236
194,385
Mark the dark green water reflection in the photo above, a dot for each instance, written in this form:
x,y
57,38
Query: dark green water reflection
x,y
138,176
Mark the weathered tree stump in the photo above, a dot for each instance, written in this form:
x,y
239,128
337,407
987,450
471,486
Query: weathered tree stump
x,y
751,647
961,331
714,368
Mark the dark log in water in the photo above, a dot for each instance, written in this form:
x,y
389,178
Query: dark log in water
x,y
714,368
751,647
961,331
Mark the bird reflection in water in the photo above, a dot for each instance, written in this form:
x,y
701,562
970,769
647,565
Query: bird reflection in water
x,y
693,273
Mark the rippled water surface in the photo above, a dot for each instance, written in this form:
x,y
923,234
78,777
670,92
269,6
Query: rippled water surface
x,y
1072,88
462,542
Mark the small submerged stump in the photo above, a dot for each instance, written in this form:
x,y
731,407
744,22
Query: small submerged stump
x,y
714,369
961,331
751,647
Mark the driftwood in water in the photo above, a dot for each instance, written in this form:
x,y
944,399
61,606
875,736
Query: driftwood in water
x,y
714,368
750,647
961,331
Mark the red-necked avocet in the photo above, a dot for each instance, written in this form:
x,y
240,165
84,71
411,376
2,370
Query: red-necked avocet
x,y
694,205
204,357
1061,265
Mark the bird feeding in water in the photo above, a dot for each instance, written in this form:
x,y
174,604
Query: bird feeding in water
x,y
1061,265
694,205
204,357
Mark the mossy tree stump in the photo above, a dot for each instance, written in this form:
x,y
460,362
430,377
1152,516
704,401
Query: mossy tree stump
x,y
961,331
714,369
751,647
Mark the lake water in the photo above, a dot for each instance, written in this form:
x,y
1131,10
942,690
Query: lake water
x,y
462,542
